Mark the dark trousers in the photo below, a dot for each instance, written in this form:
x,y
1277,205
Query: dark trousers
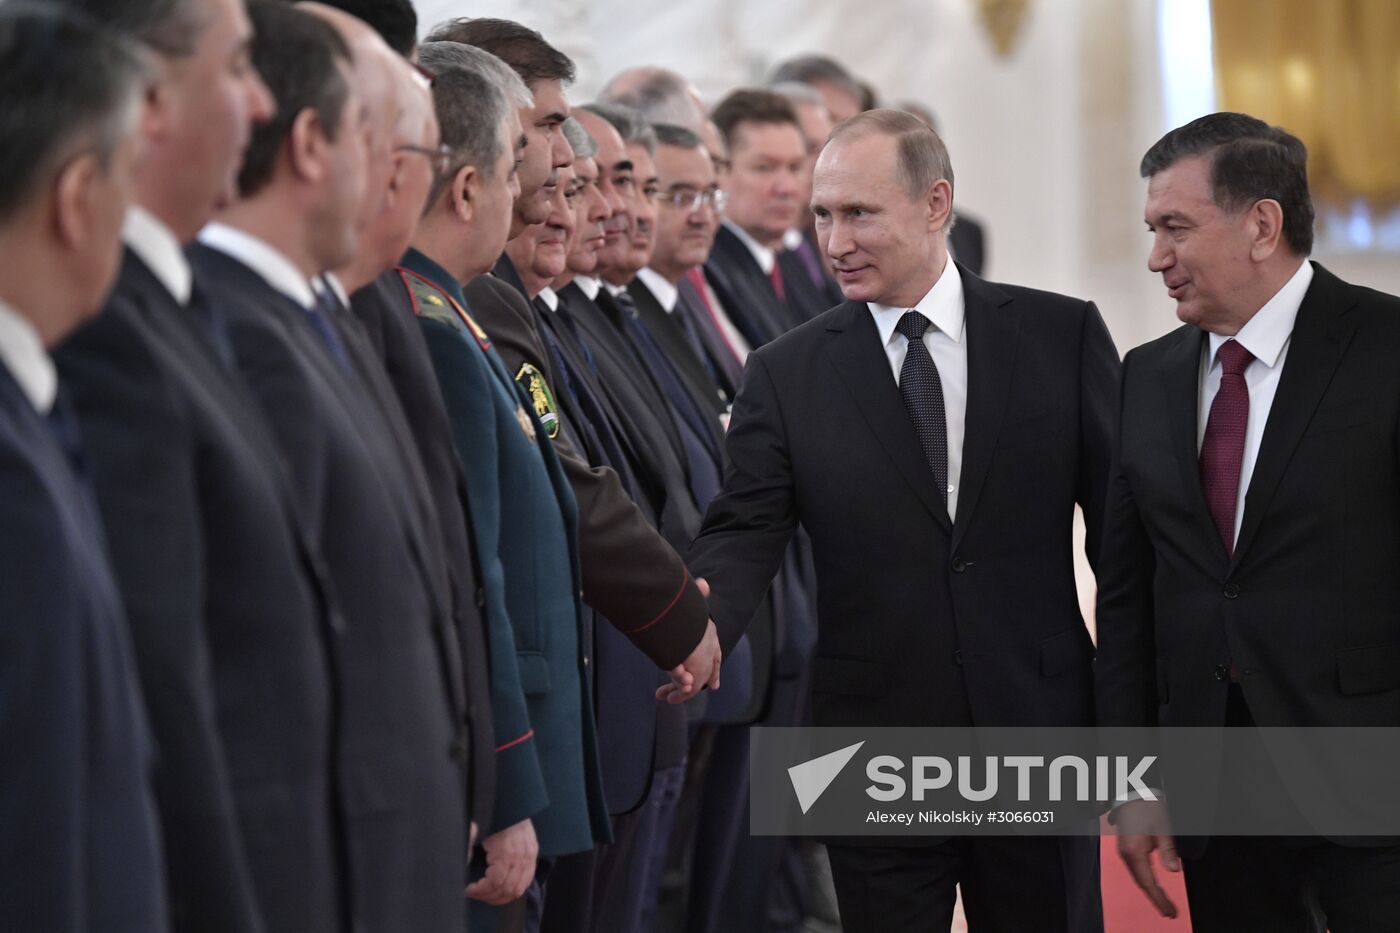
x,y
1242,884
1009,885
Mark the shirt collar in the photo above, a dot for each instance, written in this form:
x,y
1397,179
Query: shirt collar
x,y
588,285
23,354
762,255
614,290
665,292
279,271
337,287
549,297
155,245
1266,334
943,305
792,239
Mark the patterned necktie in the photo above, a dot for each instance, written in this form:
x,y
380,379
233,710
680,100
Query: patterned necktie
x,y
922,391
1222,449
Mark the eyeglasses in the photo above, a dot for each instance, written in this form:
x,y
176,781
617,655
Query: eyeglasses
x,y
691,200
441,157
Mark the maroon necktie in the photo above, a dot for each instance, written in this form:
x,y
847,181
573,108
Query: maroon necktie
x,y
1222,450
776,277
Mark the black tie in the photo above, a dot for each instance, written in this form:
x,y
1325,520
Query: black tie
x,y
922,391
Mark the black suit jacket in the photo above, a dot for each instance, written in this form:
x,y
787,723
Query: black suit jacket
x,y
386,316
968,240
923,621
79,840
1306,610
746,290
403,745
229,615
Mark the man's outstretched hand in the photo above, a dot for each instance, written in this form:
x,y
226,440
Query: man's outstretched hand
x,y
699,670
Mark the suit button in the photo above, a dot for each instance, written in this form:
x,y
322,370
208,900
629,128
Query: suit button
x,y
959,565
585,660
1222,672
480,598
1232,591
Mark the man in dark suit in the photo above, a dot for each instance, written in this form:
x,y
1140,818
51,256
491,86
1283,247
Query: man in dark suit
x,y
933,435
1251,538
79,840
231,620
764,185
412,156
402,747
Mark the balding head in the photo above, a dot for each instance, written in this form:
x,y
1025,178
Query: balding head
x,y
660,95
376,74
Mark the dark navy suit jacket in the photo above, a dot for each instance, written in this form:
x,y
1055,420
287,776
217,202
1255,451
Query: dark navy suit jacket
x,y
79,844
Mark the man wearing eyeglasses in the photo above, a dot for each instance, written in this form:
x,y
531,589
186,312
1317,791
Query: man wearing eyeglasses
x,y
689,207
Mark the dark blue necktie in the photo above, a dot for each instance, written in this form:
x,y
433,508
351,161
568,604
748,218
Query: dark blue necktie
x,y
319,314
213,323
922,392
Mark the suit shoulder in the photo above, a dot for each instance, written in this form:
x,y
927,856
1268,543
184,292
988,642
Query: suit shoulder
x,y
1040,301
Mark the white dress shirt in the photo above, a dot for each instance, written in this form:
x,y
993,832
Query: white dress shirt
x,y
762,255
24,356
155,245
550,299
944,308
665,293
589,286
1266,335
267,261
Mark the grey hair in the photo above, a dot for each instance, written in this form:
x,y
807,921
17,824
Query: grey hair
x,y
471,112
584,145
663,96
439,56
170,27
70,86
922,157
668,134
628,123
815,69
799,93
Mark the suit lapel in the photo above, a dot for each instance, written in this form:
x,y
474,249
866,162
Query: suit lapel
x,y
992,334
1320,337
1182,377
855,351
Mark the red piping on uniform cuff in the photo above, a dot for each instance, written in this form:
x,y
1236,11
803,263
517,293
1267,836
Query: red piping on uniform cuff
x,y
685,581
514,742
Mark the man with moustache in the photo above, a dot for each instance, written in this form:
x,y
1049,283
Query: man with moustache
x,y
932,435
202,521
401,757
768,155
79,837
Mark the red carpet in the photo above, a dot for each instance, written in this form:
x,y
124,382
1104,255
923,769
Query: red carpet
x,y
1125,908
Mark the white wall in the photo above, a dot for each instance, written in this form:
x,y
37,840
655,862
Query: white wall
x,y
1045,144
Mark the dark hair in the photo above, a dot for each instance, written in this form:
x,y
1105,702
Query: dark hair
x,y
668,134
471,109
628,123
395,20
1249,161
67,84
518,46
814,69
170,27
299,57
752,105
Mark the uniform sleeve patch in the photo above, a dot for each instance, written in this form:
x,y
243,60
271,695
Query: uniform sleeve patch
x,y
533,382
